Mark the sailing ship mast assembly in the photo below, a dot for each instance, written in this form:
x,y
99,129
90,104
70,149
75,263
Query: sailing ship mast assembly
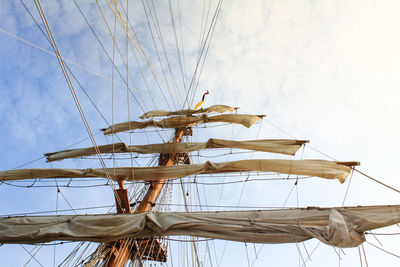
x,y
139,226
150,249
132,234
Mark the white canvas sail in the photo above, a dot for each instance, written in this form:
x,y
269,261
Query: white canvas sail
x,y
282,146
320,168
183,121
188,112
339,227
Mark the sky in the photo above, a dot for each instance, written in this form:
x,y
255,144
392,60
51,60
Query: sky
x,y
322,71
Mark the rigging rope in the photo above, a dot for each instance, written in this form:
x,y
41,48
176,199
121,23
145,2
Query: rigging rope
x,y
157,52
136,44
122,58
109,58
161,40
211,30
32,256
53,54
177,47
71,87
379,182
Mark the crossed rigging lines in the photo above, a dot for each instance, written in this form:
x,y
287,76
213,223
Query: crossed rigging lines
x,y
115,45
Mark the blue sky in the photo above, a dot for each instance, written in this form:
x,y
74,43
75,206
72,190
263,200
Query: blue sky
x,y
326,72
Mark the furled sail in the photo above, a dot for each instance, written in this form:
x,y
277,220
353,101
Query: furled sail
x,y
282,146
320,168
183,121
339,227
188,112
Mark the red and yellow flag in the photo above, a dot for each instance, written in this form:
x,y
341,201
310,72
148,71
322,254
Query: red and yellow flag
x,y
202,100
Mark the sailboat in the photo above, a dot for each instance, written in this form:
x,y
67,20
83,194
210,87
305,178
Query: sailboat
x,y
140,229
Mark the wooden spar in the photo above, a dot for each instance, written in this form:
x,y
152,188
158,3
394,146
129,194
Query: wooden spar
x,y
155,187
122,250
348,163
122,199
119,252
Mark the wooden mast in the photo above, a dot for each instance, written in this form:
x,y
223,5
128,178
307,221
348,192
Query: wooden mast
x,y
121,250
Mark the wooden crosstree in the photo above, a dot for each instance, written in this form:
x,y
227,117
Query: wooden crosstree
x,y
147,249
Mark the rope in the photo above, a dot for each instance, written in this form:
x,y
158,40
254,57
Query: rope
x,y
177,45
365,255
122,58
208,38
53,54
55,211
161,38
388,252
156,49
135,43
348,186
109,58
32,256
379,182
71,87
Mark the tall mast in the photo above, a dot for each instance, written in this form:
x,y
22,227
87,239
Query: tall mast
x,y
120,252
